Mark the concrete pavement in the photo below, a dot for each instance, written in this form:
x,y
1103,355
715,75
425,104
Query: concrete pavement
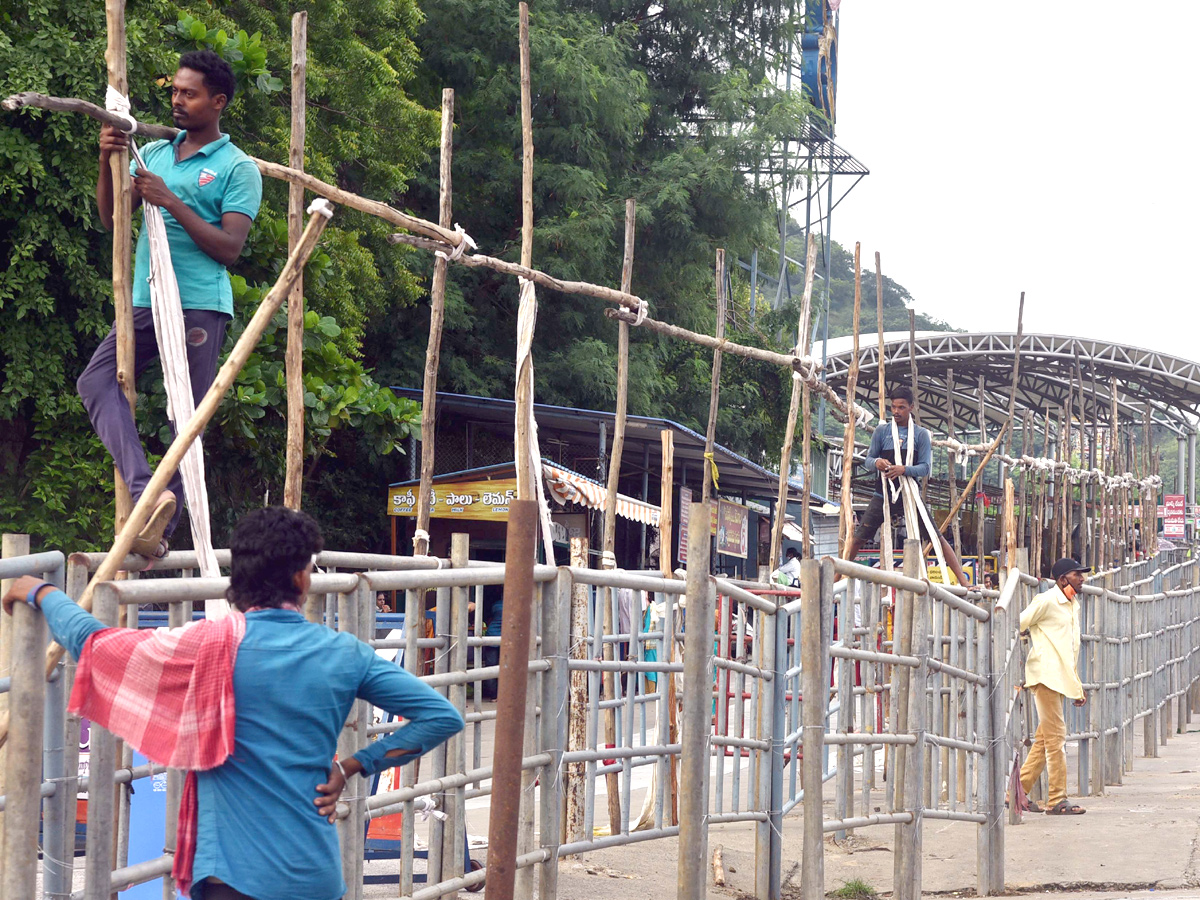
x,y
1140,838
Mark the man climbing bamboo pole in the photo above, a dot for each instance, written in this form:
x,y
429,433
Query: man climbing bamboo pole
x,y
209,193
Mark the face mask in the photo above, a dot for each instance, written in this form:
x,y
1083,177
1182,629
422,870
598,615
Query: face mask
x,y
1069,592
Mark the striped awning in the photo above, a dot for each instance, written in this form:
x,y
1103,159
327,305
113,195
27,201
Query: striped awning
x,y
571,487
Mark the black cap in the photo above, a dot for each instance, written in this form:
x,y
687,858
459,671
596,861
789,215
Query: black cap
x,y
1065,566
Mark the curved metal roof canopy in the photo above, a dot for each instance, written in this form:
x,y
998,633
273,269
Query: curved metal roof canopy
x,y
1166,385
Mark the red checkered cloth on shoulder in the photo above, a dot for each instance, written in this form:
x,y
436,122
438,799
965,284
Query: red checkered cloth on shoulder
x,y
169,694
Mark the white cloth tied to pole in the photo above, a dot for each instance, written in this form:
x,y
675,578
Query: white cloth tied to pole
x,y
171,334
526,319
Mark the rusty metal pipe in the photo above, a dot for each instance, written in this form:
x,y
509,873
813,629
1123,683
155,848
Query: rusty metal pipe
x,y
510,708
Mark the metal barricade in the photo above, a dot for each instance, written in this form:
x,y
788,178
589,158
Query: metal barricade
x,y
899,694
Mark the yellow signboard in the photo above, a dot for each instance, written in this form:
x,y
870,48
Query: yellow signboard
x,y
487,500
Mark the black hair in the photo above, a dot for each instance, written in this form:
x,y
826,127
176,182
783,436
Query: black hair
x,y
903,392
792,552
218,74
269,546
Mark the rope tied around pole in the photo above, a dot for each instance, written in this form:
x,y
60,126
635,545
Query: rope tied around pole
x,y
461,248
118,104
711,459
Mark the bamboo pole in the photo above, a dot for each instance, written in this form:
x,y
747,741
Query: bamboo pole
x,y
951,475
886,554
1117,539
294,358
195,425
437,317
512,808
122,246
1026,477
846,513
980,518
715,389
803,331
608,559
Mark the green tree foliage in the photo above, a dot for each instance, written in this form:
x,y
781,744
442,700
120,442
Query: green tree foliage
x,y
364,133
625,104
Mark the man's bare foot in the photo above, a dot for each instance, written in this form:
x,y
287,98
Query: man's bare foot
x,y
150,538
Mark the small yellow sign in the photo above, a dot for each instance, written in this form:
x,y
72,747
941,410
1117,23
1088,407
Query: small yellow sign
x,y
488,500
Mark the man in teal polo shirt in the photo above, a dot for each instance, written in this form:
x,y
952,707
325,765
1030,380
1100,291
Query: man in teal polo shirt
x,y
209,192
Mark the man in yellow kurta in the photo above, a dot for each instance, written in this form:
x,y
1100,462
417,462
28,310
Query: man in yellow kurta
x,y
1052,620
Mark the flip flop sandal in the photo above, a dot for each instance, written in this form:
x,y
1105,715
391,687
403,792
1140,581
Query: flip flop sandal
x,y
149,539
1064,808
1031,806
161,551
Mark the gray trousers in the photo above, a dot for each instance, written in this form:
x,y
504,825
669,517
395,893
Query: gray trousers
x,y
110,413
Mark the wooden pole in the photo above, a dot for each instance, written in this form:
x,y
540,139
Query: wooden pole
x,y
1117,539
294,358
573,823
951,475
1026,477
846,513
803,331
715,389
608,559
437,317
980,518
122,248
195,425
886,555
524,460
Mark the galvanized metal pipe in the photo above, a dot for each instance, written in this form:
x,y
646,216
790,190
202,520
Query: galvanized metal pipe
x,y
695,730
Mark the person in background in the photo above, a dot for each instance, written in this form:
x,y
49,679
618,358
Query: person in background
x,y
1052,620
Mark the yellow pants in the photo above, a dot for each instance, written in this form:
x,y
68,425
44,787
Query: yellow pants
x,y
1049,745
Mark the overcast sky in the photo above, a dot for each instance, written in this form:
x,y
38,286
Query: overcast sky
x,y
1048,147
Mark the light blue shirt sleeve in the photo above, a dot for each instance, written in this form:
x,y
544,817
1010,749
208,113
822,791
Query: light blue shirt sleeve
x,y
69,622
922,455
431,718
243,193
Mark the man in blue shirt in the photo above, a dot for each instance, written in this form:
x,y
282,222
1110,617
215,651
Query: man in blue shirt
x,y
209,192
888,463
264,829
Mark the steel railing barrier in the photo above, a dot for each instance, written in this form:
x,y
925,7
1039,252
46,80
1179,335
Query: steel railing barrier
x,y
877,690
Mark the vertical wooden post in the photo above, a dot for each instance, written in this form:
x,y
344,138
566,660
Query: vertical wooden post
x,y
608,559
122,263
511,788
980,519
846,516
803,333
951,475
1117,539
437,317
294,358
886,559
577,725
526,485
1026,478
715,392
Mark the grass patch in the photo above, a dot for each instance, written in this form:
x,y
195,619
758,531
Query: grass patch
x,y
855,889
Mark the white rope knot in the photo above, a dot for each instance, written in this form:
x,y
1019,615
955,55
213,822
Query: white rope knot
x,y
608,560
118,104
420,535
460,248
321,206
642,311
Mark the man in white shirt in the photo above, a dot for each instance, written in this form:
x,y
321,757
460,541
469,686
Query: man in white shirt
x,y
1052,620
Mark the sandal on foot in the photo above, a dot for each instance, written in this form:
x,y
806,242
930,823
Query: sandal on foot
x,y
149,539
151,558
1031,806
1065,808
